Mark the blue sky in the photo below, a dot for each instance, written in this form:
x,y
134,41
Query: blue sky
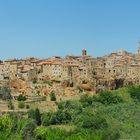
x,y
45,28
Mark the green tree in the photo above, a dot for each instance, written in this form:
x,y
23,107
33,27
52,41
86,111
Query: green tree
x,y
5,122
61,117
31,114
37,116
108,97
87,100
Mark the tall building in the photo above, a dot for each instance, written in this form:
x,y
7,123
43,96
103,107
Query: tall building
x,y
84,52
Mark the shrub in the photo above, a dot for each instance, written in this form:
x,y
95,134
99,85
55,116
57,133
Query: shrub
x,y
49,83
31,114
110,134
135,93
10,105
87,100
44,98
27,106
95,122
43,133
21,98
46,118
37,116
34,81
5,93
6,123
28,130
74,108
52,96
107,98
21,104
61,117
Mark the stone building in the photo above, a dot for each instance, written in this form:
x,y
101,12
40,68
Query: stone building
x,y
8,69
107,72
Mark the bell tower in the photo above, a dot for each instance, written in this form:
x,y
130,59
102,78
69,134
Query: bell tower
x,y
84,52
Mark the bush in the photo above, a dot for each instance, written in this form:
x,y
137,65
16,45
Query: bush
x,y
5,93
88,100
95,122
44,98
110,134
27,106
28,130
74,108
10,105
34,81
31,114
108,97
49,83
135,93
37,116
6,123
21,98
21,104
46,118
61,117
52,96
43,133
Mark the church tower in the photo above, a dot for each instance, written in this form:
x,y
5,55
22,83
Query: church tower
x,y
84,52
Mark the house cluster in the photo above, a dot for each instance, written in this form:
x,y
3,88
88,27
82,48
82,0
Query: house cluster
x,y
55,68
110,71
118,69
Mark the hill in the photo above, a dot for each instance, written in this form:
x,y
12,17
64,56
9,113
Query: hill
x,y
109,115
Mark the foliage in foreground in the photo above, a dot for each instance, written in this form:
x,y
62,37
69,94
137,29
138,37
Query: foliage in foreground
x,y
111,115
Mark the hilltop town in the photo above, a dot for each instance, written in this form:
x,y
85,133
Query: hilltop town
x,y
71,93
93,74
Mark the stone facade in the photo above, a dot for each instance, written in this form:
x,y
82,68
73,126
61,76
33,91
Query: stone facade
x,y
107,72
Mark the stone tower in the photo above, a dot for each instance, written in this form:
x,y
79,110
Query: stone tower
x,y
84,52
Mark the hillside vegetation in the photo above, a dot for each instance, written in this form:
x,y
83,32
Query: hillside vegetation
x,y
110,115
